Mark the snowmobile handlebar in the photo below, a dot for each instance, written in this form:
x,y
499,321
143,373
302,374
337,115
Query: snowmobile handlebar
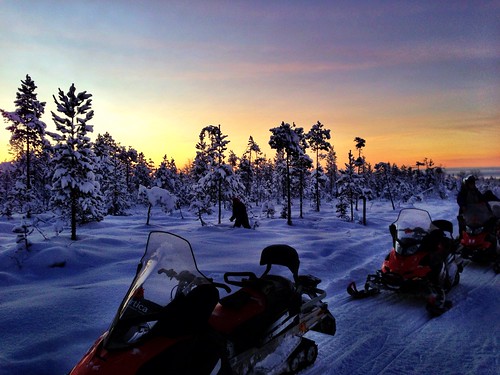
x,y
244,277
185,276
222,286
188,277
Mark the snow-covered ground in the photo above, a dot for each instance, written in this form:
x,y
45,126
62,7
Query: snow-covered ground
x,y
50,316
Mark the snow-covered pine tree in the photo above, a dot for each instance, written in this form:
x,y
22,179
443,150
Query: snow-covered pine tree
x,y
262,182
28,144
166,176
284,138
405,184
111,174
252,147
214,178
233,160
200,196
318,138
7,182
349,189
245,173
103,149
142,173
76,192
128,158
331,173
219,171
277,169
383,182
301,165
183,188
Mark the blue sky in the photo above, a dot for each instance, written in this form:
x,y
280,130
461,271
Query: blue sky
x,y
414,79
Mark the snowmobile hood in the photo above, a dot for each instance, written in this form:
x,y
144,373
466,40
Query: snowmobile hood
x,y
476,215
407,267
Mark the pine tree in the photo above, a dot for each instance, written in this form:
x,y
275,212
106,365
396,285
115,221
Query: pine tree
x,y
263,188
166,176
245,173
27,143
6,188
384,180
215,180
252,146
129,160
76,191
318,140
360,161
142,173
284,138
347,189
279,178
301,165
111,175
332,172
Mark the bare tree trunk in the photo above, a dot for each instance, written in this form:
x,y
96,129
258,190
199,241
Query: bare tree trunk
x,y
288,191
73,214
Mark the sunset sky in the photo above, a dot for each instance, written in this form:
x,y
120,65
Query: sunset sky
x,y
415,79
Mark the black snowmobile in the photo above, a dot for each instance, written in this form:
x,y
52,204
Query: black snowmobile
x,y
481,232
172,320
423,261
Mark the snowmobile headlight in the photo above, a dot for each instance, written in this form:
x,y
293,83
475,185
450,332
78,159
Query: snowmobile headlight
x,y
474,231
407,246
408,249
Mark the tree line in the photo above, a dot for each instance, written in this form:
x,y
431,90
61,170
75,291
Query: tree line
x,y
81,180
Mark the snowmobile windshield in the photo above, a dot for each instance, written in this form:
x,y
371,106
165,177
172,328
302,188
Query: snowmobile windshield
x,y
167,273
411,226
477,214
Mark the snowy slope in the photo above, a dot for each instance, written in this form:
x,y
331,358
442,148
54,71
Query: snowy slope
x,y
51,315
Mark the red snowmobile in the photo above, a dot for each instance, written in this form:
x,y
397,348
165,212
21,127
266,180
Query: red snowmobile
x,y
423,261
480,234
172,320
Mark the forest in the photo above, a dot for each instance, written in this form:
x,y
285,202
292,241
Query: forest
x,y
82,181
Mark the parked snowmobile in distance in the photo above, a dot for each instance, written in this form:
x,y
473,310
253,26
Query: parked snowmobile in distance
x,y
479,239
173,321
423,261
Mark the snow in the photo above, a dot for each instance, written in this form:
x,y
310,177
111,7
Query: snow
x,y
157,196
66,293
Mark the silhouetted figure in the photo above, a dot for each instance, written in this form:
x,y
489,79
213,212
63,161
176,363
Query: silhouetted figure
x,y
469,194
240,216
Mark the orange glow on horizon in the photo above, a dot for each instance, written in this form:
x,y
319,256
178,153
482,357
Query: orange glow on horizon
x,y
180,146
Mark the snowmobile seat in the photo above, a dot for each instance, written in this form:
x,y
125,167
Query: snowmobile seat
x,y
282,255
236,300
431,241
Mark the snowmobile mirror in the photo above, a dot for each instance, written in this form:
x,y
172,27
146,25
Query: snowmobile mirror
x,y
444,225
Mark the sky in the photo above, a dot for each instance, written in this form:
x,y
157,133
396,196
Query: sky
x,y
416,80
